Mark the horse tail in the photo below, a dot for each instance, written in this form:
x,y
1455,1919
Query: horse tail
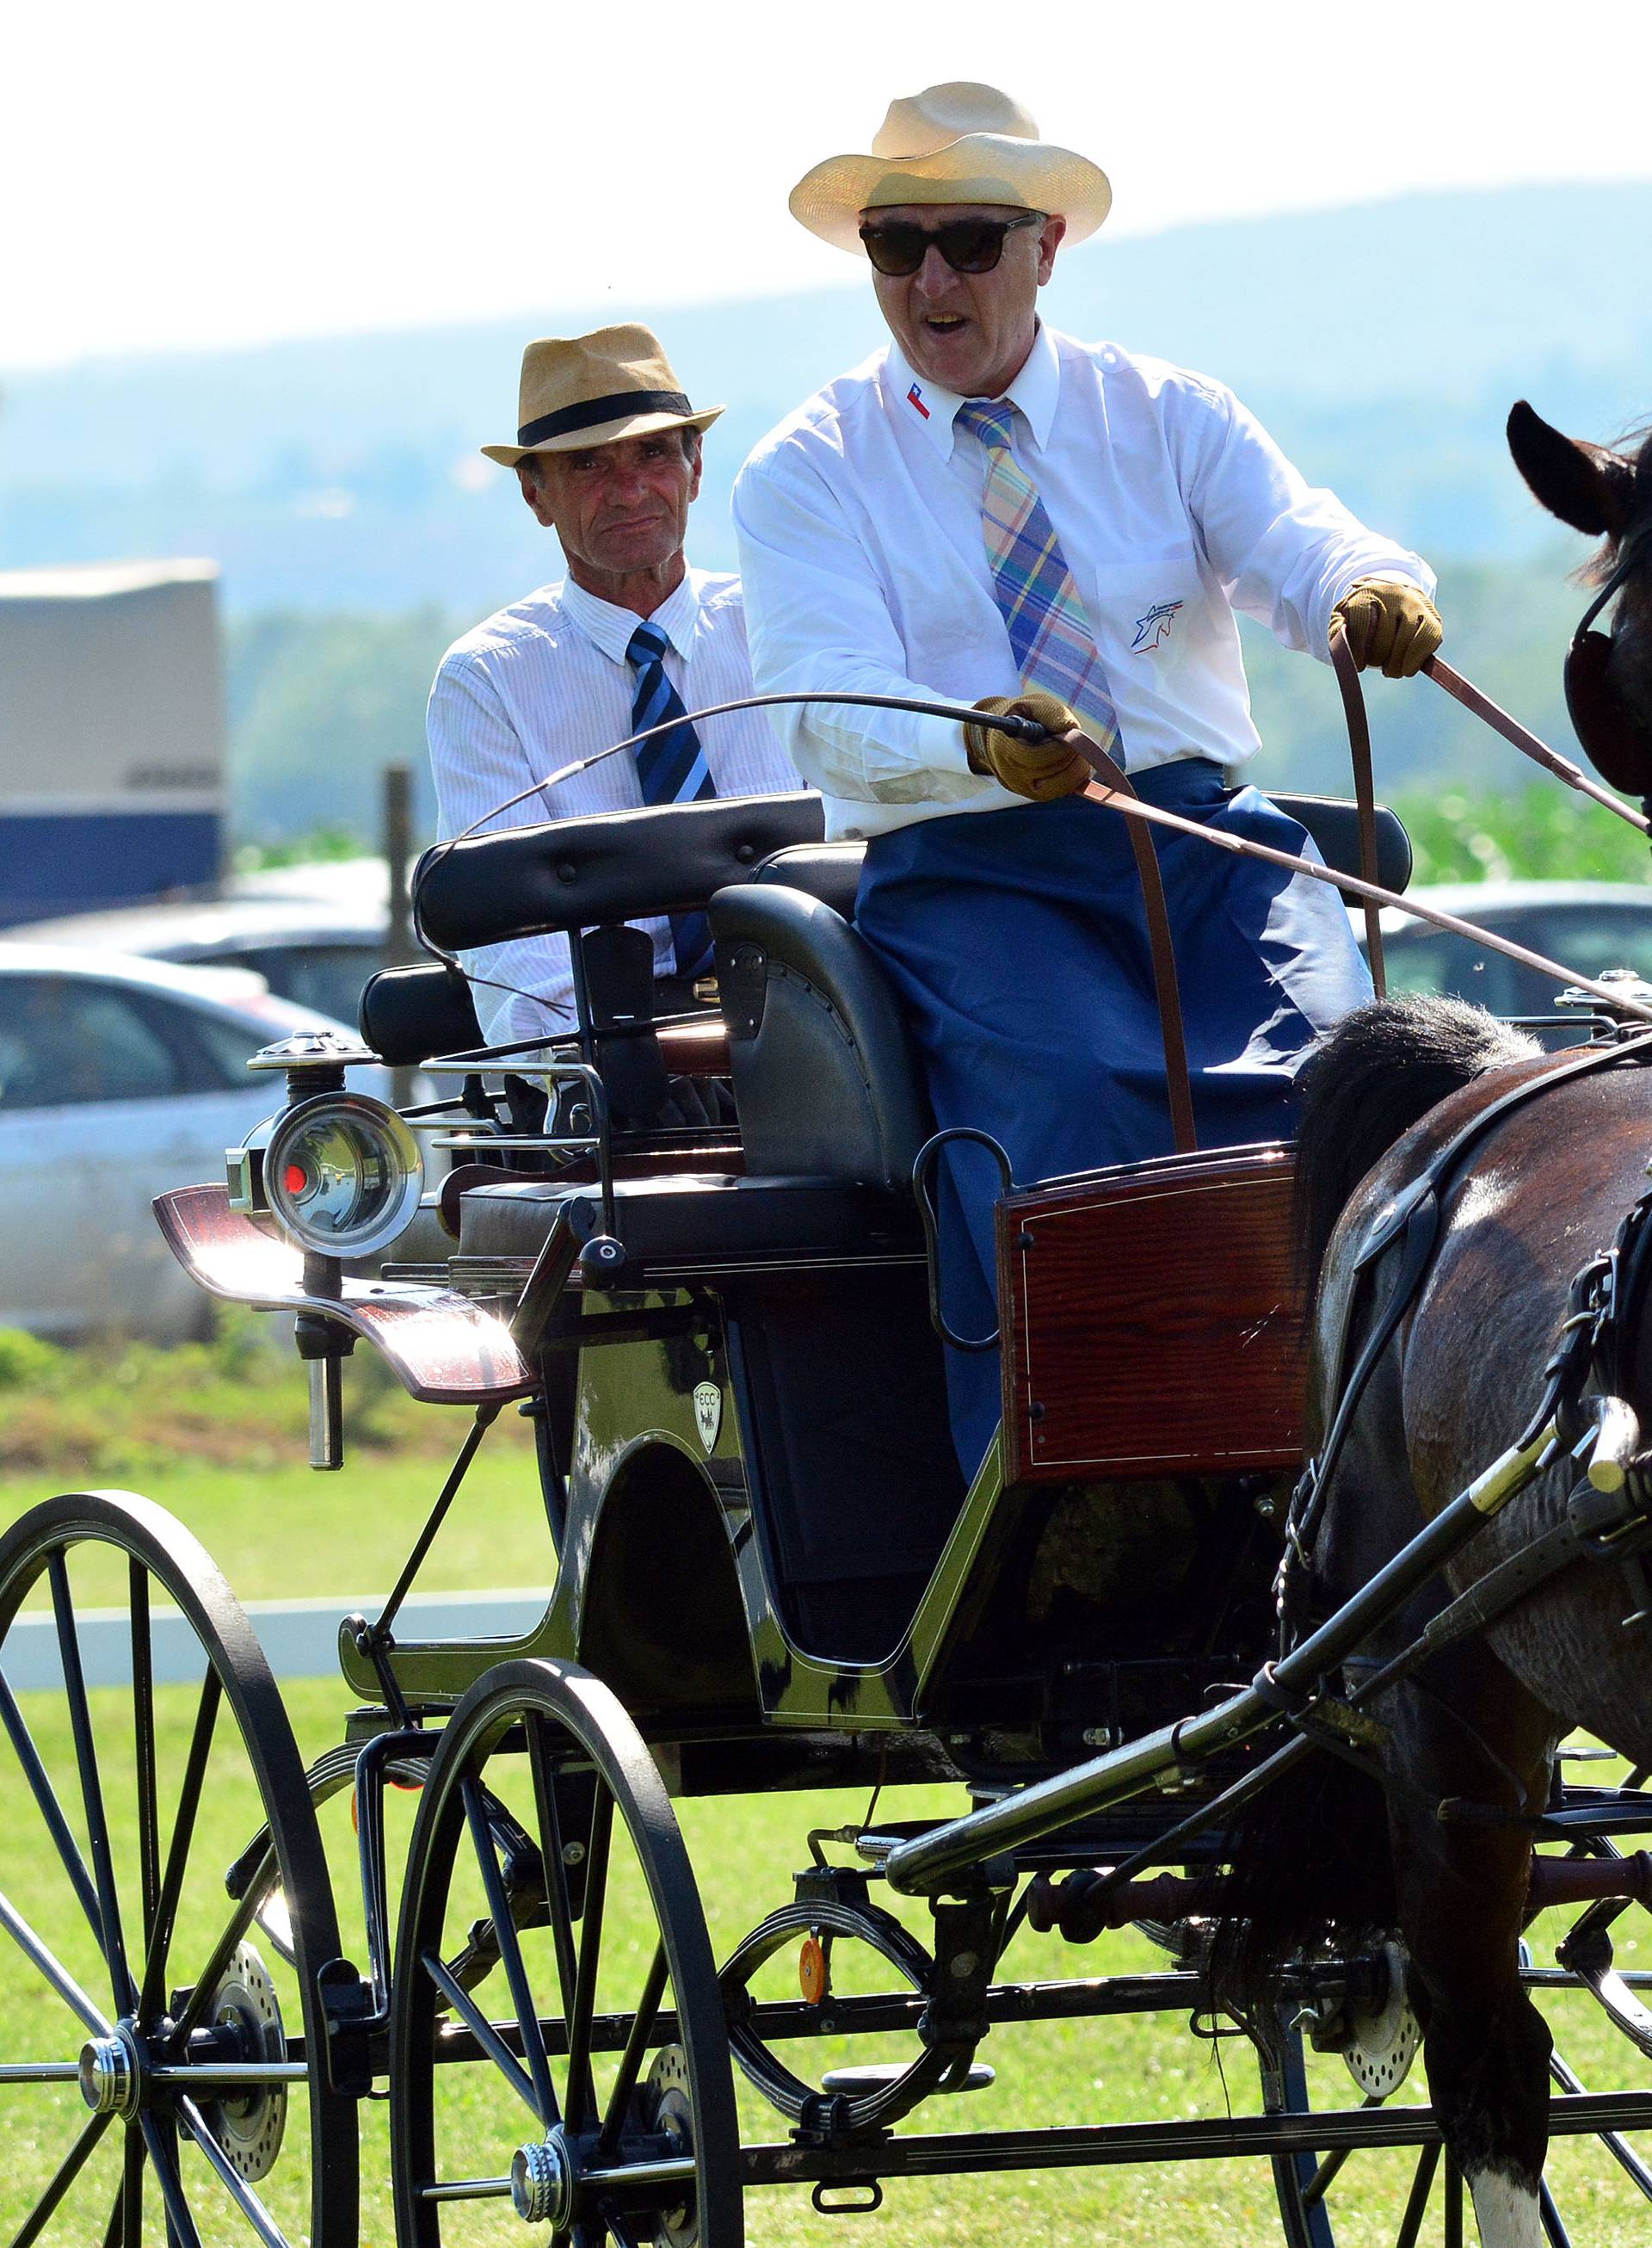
x,y
1381,1070
1310,1865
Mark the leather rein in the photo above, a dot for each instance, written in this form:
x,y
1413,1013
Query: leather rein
x,y
1112,786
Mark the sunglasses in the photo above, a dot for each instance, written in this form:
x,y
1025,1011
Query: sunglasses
x,y
969,245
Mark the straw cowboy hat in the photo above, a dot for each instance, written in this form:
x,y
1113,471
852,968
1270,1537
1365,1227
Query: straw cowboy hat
x,y
580,391
958,143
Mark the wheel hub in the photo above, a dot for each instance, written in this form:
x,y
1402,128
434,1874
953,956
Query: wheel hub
x,y
542,2182
111,2073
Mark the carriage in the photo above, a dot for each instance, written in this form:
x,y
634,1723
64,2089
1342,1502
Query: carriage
x,y
769,1579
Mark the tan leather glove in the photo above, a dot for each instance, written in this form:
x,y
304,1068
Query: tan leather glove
x,y
1040,771
1389,623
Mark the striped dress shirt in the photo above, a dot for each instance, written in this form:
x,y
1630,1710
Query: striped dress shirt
x,y
546,680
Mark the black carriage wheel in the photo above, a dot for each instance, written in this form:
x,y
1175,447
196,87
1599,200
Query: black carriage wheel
x,y
173,2050
557,2045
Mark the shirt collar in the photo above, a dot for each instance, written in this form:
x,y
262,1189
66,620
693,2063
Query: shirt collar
x,y
925,406
610,628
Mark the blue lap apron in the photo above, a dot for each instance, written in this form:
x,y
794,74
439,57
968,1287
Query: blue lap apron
x,y
1016,943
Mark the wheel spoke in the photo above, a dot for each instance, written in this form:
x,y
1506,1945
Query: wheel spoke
x,y
1416,2205
231,2178
58,1976
1554,2230
1614,2143
622,2237
180,2226
126,2219
218,1959
533,2045
50,1810
630,2060
102,1872
143,1735
183,1828
485,2034
561,1926
68,2169
582,2089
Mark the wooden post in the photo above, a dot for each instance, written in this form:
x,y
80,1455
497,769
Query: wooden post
x,y
398,840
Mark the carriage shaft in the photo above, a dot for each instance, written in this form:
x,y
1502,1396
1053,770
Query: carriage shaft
x,y
959,1850
1215,2138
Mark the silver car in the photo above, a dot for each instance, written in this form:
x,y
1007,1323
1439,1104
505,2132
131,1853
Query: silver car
x,y
118,1078
1585,925
316,949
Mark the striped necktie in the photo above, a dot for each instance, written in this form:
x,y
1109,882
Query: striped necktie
x,y
672,770
1049,633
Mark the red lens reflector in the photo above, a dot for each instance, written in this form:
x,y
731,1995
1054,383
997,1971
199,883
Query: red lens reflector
x,y
295,1178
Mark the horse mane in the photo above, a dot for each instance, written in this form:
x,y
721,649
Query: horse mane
x,y
1634,445
1377,1073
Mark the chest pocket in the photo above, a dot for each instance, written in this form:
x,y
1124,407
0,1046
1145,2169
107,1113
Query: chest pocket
x,y
1149,615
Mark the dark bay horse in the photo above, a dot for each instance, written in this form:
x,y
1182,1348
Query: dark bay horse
x,y
1541,1194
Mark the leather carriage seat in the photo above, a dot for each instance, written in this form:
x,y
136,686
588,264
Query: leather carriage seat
x,y
827,1079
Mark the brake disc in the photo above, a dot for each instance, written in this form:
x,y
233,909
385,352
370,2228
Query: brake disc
x,y
1382,2036
666,2102
249,2126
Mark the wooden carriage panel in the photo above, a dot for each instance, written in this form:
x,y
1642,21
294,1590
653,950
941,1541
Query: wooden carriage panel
x,y
1150,1320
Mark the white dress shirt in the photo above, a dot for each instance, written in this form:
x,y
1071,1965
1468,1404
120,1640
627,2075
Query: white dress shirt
x,y
865,567
547,681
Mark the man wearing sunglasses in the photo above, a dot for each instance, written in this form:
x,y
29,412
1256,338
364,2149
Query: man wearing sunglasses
x,y
992,513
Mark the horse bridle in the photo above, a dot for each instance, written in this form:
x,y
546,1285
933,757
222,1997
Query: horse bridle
x,y
1617,743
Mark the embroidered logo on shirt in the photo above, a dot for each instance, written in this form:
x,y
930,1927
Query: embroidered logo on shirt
x,y
1154,628
915,397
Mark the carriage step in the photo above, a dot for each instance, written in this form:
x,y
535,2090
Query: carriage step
x,y
876,2076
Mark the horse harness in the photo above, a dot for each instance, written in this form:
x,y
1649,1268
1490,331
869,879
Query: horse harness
x,y
1591,1354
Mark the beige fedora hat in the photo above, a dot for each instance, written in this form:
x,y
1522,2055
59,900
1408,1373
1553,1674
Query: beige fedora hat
x,y
958,143
578,391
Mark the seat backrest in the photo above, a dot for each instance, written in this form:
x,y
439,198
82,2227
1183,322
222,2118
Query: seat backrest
x,y
407,1014
1334,822
831,871
603,866
826,1079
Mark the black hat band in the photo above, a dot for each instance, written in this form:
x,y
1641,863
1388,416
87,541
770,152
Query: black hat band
x,y
594,411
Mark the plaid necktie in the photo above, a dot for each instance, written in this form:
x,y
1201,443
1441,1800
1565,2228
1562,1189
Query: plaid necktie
x,y
672,770
1049,633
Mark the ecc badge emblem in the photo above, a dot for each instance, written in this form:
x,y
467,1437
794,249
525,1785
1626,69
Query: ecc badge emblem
x,y
708,1411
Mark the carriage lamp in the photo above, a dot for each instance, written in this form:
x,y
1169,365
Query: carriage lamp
x,y
313,1063
342,1175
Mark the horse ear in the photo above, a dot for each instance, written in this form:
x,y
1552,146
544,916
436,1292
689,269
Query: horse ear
x,y
1584,484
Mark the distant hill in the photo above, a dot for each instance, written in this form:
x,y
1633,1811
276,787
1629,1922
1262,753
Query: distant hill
x,y
1383,344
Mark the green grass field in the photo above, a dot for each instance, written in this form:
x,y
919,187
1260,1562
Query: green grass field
x,y
276,1529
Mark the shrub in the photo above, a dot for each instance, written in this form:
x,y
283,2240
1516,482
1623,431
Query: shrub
x,y
26,1359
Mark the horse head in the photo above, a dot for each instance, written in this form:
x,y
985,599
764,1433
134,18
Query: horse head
x,y
1608,677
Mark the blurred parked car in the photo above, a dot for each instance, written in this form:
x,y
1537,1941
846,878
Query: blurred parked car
x,y
318,951
1586,926
118,1078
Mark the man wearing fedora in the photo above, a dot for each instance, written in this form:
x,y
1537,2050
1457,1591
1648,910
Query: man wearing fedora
x,y
989,512
608,457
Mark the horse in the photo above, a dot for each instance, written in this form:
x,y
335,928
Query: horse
x,y
1540,1192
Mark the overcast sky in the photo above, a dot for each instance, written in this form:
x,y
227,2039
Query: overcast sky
x,y
184,174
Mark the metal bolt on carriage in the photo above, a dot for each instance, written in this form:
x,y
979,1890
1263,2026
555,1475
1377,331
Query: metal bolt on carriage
x,y
769,1579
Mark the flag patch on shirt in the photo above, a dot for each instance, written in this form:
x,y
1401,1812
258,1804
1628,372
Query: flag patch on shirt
x,y
915,397
1154,628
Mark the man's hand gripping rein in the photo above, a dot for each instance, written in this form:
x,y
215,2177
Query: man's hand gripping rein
x,y
1040,771
1387,623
